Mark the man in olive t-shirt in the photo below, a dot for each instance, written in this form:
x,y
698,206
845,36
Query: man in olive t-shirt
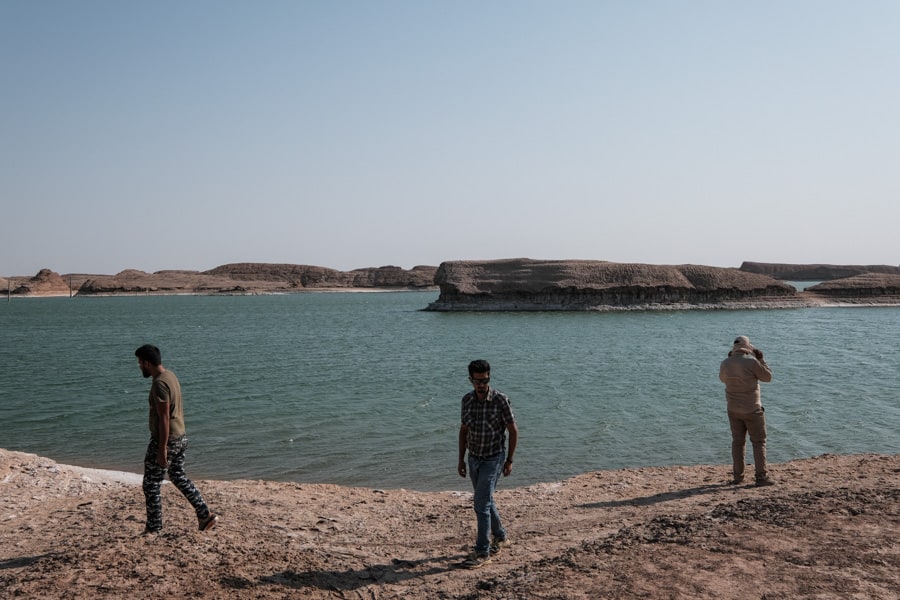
x,y
168,442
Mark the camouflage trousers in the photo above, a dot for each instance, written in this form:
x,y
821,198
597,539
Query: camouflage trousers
x,y
153,478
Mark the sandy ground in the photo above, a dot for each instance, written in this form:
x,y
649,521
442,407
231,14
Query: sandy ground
x,y
829,529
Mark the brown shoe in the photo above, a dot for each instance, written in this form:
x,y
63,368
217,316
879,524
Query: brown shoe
x,y
764,481
497,545
476,561
209,522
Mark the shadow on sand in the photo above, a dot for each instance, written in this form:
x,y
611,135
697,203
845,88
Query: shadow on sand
x,y
662,497
22,561
398,570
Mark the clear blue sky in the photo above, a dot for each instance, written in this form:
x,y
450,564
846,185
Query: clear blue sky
x,y
347,134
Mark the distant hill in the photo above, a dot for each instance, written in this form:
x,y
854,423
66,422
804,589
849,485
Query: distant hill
x,y
865,286
510,284
239,278
310,277
44,283
523,284
815,272
526,284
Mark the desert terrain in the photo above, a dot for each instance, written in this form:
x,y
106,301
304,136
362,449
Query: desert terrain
x,y
829,529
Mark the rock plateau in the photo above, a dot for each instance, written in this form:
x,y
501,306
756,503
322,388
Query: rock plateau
x,y
517,284
815,272
524,284
239,278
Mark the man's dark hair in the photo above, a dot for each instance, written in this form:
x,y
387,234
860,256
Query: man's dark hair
x,y
479,366
149,353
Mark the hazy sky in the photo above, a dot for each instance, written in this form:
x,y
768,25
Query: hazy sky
x,y
347,134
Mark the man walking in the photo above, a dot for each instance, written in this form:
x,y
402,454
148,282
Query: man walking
x,y
486,417
741,373
168,442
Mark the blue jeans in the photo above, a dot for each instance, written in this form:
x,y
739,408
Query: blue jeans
x,y
484,473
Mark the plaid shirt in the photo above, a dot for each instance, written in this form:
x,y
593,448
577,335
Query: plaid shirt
x,y
487,421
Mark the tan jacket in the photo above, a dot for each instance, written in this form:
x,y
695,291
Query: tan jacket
x,y
741,374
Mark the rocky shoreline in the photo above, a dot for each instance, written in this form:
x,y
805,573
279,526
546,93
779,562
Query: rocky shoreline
x,y
510,284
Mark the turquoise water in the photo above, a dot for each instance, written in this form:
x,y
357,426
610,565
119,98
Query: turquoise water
x,y
364,388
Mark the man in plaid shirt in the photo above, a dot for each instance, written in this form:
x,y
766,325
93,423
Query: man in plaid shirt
x,y
486,417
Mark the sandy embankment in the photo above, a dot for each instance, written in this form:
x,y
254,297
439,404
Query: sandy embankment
x,y
829,529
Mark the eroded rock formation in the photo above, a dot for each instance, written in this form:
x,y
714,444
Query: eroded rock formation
x,y
815,272
510,284
132,281
526,284
867,285
45,283
312,277
259,278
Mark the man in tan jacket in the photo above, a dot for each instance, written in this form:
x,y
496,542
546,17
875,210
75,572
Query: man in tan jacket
x,y
741,373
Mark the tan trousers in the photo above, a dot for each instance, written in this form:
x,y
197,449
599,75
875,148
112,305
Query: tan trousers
x,y
755,425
